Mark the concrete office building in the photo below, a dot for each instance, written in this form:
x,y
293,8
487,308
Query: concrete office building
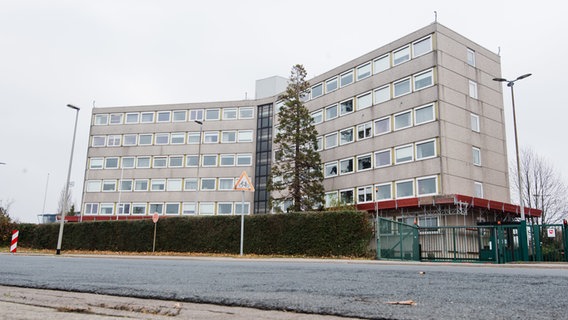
x,y
410,123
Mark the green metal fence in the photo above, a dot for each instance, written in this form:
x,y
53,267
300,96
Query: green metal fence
x,y
397,240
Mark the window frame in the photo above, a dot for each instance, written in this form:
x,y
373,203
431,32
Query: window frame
x,y
376,190
152,115
352,160
476,156
375,95
359,100
418,180
331,107
427,38
330,81
406,55
430,105
328,169
166,114
406,146
365,73
177,118
128,118
475,123
208,180
410,122
398,82
208,157
424,142
227,113
379,152
360,158
405,181
416,78
344,75
317,115
388,121
336,140
341,109
367,192
320,88
344,142
364,127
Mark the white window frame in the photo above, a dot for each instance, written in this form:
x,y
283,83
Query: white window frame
x,y
209,180
364,71
409,112
404,147
336,140
360,157
406,53
114,140
188,183
96,163
160,162
130,140
188,208
191,137
105,206
177,118
364,128
120,208
91,208
158,185
93,186
225,204
169,206
173,158
367,192
124,160
431,105
331,199
397,183
340,168
109,186
388,121
418,180
474,122
143,116
144,158
321,91
344,75
377,98
245,136
341,109
177,138
211,137
389,150
328,169
473,89
342,191
364,100
141,140
421,76
196,114
317,117
101,119
227,156
476,156
137,183
98,141
123,183
212,114
417,144
157,206
166,114
230,181
331,81
336,107
344,142
115,118
207,208
209,156
470,57
380,61
107,159
379,185
228,113
244,156
243,111
162,138
478,189
229,136
143,207
128,118
429,39
394,86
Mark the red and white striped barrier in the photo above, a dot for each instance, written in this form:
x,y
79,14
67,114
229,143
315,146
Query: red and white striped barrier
x,y
14,245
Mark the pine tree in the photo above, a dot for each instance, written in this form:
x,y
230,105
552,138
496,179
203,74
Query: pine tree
x,y
296,174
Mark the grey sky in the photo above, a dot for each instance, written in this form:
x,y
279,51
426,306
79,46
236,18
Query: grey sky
x,y
116,53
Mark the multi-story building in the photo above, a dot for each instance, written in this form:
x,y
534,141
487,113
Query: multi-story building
x,y
400,127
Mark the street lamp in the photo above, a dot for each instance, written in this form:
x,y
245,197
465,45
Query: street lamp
x,y
62,222
510,84
200,123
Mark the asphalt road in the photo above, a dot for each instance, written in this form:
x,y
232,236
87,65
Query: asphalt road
x,y
331,287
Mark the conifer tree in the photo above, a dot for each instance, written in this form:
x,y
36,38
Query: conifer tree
x,y
296,174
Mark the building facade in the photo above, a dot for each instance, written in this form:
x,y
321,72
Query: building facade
x,y
418,117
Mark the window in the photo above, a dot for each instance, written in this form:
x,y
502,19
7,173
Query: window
x,y
96,163
156,208
226,183
478,189
162,138
475,123
107,208
209,160
91,208
172,208
330,169
179,115
470,57
364,71
382,126
190,184
176,161
123,208
212,114
427,186
158,185
382,94
317,117
177,138
188,208
114,140
331,140
403,154
93,186
207,208
128,163
160,162
331,85
364,194
141,185
145,139
346,78
319,146
401,55
346,136
424,114
381,63
425,149
402,87
404,189
422,46
164,116
331,199
402,120
331,112
101,119
225,208
111,163
245,136
132,118
242,209
383,158
125,185
346,196
246,113
109,185
244,159
476,152
383,192
139,208
364,101
346,107
211,137
191,160
143,162
364,162
228,136
130,140
346,166
196,115
317,90
147,117
193,137
116,118
364,130
99,141
227,160
423,80
208,184
472,89
229,113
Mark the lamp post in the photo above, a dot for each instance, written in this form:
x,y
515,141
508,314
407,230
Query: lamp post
x,y
62,222
510,84
200,123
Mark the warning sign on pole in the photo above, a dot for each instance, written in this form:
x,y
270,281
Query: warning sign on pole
x,y
551,232
14,244
244,183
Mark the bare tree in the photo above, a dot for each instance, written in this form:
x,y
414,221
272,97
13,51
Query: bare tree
x,y
65,202
543,187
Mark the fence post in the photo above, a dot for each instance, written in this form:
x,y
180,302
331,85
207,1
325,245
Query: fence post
x,y
536,242
523,243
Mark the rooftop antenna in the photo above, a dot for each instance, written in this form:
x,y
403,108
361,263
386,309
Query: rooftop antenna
x,y
499,51
93,103
436,16
246,95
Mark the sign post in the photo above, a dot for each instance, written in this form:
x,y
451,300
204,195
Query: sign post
x,y
243,184
155,218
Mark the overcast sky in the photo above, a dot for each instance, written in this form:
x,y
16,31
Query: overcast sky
x,y
120,53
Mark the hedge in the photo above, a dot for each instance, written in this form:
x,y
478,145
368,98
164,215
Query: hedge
x,y
326,234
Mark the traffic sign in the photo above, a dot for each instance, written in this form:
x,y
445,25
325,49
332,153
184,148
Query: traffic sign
x,y
244,183
155,217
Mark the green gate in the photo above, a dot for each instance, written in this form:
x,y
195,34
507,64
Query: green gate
x,y
548,242
397,240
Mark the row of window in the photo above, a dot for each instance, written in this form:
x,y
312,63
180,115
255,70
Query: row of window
x,y
365,70
174,161
402,154
173,138
174,116
172,184
168,208
398,121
